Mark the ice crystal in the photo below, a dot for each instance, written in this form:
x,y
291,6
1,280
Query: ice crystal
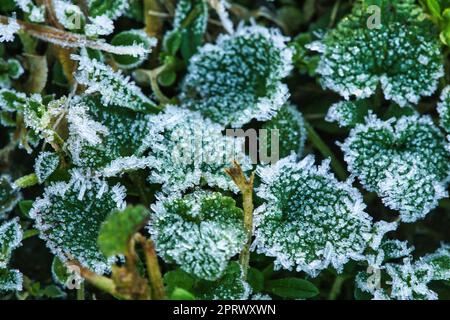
x,y
46,163
201,232
239,78
403,54
114,87
10,238
310,220
192,150
100,25
107,139
347,113
69,15
69,216
112,9
229,287
9,195
405,161
8,30
291,132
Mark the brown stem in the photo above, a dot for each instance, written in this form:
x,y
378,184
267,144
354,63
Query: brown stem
x,y
246,187
153,269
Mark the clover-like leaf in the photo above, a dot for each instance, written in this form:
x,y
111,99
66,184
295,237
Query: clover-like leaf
x,y
9,195
230,286
405,161
117,230
69,15
201,232
402,53
46,163
291,132
192,151
309,220
107,139
69,217
239,78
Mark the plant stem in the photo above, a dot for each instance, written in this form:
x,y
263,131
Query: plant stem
x,y
246,187
153,75
27,181
153,269
153,23
100,282
320,145
30,233
80,292
337,286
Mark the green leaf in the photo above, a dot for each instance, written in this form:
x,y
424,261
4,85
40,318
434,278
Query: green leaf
x,y
361,295
131,38
53,291
25,207
181,294
172,42
292,288
178,279
167,78
60,273
119,227
435,8
255,279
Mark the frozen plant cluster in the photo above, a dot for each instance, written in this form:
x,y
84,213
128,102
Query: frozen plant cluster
x,y
133,136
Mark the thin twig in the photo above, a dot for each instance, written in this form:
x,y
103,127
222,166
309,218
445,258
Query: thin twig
x,y
246,187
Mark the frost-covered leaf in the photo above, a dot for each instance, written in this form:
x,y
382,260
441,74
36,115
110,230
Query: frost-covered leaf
x,y
309,220
201,232
99,26
405,161
113,9
132,37
69,217
402,54
114,87
291,131
69,15
119,227
11,100
10,238
8,30
230,286
9,195
46,163
34,12
439,262
444,110
192,151
10,280
189,26
108,139
348,113
9,69
239,78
